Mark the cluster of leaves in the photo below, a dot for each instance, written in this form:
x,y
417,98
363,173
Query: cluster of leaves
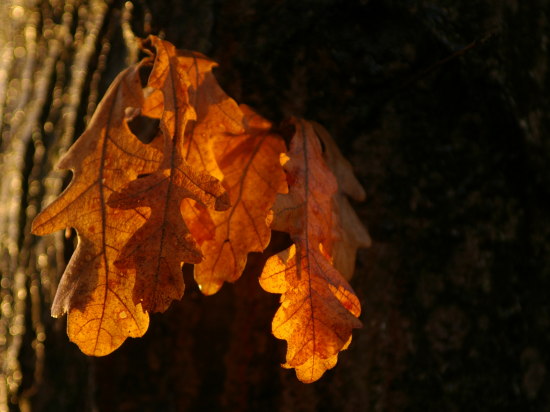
x,y
171,170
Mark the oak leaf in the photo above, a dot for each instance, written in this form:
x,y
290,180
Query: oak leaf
x,y
318,307
97,295
217,115
159,248
252,176
349,233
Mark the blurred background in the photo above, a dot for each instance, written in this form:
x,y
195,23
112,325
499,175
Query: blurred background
x,y
443,108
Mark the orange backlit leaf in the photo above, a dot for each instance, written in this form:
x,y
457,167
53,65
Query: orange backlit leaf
x,y
317,313
218,115
252,176
159,248
97,295
318,307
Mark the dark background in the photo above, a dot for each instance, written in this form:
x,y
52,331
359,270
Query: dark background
x,y
443,109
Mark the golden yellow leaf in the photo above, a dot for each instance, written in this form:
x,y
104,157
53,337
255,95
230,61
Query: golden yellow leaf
x,y
97,295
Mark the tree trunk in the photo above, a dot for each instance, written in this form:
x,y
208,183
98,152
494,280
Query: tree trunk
x,y
443,109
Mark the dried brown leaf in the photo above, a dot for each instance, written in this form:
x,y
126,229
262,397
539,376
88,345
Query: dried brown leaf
x,y
218,115
349,233
318,308
97,295
252,176
159,248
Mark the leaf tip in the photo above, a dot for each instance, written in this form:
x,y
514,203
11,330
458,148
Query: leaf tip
x,y
210,288
39,226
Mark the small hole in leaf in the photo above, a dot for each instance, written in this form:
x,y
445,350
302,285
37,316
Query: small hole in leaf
x,y
145,128
141,176
144,72
147,45
279,242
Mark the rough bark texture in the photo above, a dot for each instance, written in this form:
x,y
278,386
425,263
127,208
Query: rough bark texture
x,y
453,149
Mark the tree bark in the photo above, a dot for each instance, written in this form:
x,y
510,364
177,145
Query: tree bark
x,y
443,109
